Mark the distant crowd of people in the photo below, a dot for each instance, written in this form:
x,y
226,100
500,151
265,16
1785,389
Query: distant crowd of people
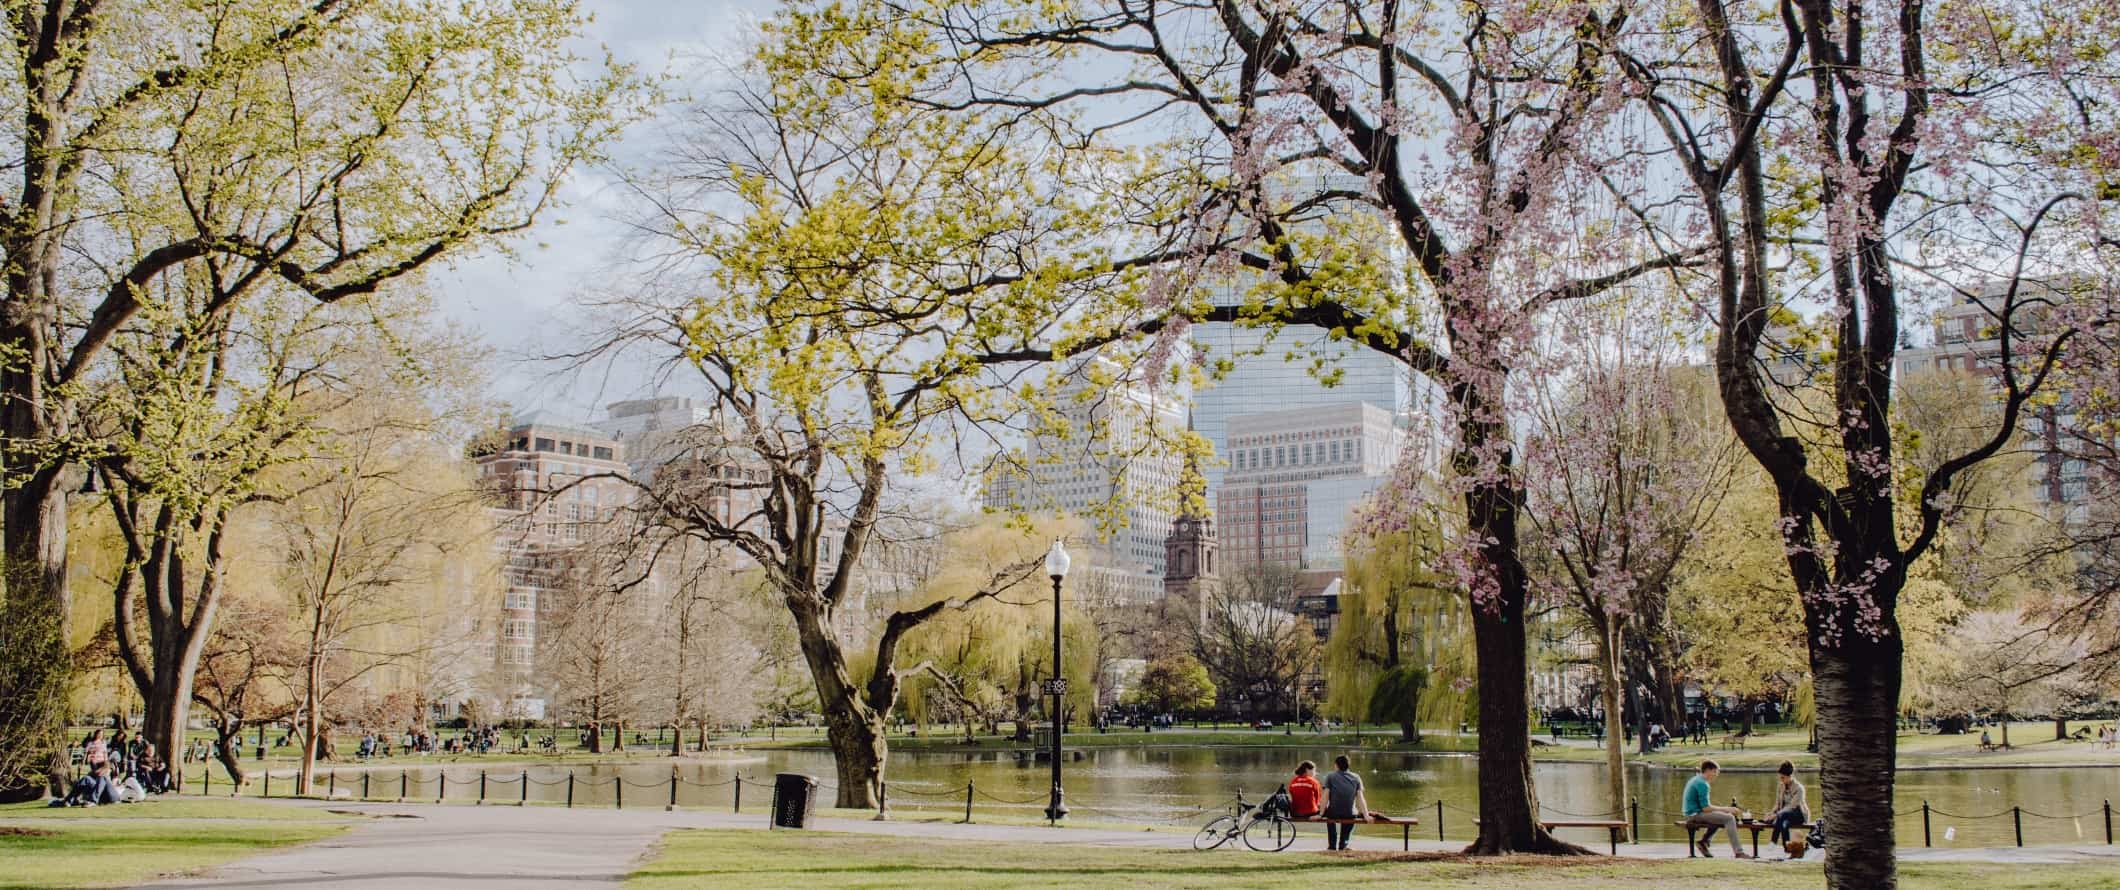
x,y
121,769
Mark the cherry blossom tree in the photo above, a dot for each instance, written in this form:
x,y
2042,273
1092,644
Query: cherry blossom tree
x,y
1425,180
1864,159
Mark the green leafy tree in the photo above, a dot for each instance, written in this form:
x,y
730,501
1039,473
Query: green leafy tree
x,y
1396,698
327,147
1173,684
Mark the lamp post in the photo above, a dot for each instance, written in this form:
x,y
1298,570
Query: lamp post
x,y
1056,563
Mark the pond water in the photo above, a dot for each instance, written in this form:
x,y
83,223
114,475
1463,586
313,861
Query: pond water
x,y
1969,807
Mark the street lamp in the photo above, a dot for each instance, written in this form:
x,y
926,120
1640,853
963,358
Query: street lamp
x,y
1056,563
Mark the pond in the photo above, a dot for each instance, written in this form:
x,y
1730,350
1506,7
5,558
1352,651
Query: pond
x,y
1174,785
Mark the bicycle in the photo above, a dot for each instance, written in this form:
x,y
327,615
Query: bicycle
x,y
1262,831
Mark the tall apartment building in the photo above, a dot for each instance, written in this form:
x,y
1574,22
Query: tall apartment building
x,y
1964,340
553,483
1118,478
1295,477
685,436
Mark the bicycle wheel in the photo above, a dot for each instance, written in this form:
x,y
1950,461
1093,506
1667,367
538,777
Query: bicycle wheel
x,y
1270,835
1215,833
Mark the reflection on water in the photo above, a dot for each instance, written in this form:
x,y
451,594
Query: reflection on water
x,y
1176,784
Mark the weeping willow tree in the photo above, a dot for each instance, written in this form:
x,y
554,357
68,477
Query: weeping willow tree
x,y
1401,651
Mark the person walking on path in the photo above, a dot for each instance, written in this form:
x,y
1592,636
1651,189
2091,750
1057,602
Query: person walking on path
x,y
1702,814
1344,799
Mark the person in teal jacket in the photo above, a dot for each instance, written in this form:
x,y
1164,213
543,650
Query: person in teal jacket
x,y
1702,814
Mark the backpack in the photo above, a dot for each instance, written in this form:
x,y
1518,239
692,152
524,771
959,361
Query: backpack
x,y
1277,803
1818,835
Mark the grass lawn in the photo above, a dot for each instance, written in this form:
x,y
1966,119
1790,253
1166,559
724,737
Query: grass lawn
x,y
116,846
2033,744
814,861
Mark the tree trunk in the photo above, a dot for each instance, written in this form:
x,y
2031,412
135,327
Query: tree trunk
x,y
228,748
596,737
618,735
1858,697
1508,802
677,739
858,754
167,713
33,537
1609,664
2060,729
312,704
1745,726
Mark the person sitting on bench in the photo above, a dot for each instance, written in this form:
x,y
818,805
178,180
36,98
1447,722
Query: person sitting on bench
x,y
1304,792
1343,800
1702,814
1791,811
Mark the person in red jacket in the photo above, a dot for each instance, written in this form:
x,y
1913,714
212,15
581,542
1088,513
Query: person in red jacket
x,y
1304,792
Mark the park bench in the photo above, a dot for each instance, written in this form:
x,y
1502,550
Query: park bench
x,y
1735,740
1753,825
1405,824
1612,827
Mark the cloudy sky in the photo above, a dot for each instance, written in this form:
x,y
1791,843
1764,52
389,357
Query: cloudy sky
x,y
520,305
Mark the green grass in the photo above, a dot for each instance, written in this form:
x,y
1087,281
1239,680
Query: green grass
x,y
116,846
815,861
2033,745
171,808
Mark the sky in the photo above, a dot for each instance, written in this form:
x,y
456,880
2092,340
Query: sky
x,y
520,305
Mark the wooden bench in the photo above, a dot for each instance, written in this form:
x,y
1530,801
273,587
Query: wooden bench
x,y
1405,825
1733,741
1753,825
1612,827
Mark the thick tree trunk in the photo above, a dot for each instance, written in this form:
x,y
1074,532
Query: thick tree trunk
x,y
858,754
167,713
33,538
2060,729
677,740
1508,802
1858,703
1609,665
618,735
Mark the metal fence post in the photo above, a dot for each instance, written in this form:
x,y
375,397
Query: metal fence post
x,y
364,786
524,801
404,784
739,795
618,793
1634,810
268,784
570,789
482,787
673,788
332,784
1924,823
1439,818
968,810
2108,823
2017,817
209,778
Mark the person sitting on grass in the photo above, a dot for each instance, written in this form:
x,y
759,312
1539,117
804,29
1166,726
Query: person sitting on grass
x,y
1702,814
1344,799
94,788
1304,792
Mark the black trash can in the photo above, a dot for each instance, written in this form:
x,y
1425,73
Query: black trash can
x,y
794,796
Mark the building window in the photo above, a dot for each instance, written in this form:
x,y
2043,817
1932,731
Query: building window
x,y
602,453
544,445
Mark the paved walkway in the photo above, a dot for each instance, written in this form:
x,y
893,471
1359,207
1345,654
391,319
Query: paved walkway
x,y
453,846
